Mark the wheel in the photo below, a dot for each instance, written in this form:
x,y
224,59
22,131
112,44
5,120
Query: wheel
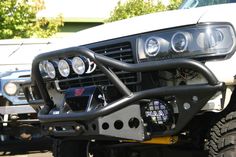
x,y
69,148
222,141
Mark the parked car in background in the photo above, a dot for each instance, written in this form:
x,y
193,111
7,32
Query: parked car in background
x,y
18,118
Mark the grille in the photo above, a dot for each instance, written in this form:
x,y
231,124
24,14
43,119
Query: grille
x,y
122,52
20,95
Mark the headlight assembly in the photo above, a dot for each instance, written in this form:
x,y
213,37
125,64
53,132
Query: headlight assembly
x,y
10,88
203,40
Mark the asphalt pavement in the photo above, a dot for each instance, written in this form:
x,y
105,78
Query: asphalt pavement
x,y
33,148
42,148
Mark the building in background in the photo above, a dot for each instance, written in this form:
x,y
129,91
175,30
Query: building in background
x,y
80,14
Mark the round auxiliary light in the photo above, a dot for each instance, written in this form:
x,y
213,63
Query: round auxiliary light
x,y
64,68
152,46
180,41
42,67
10,88
78,65
50,69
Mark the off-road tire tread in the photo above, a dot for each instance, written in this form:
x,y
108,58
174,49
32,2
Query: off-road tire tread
x,y
222,141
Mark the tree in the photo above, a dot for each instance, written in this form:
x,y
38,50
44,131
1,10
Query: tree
x,y
140,7
18,20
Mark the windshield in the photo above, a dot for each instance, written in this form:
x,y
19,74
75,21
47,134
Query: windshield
x,y
199,3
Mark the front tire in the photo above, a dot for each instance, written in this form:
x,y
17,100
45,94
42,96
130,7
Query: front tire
x,y
222,141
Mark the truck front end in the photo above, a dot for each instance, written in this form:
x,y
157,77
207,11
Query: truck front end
x,y
146,80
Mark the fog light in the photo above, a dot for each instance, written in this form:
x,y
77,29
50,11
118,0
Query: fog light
x,y
79,65
180,41
10,88
50,69
158,112
64,68
152,46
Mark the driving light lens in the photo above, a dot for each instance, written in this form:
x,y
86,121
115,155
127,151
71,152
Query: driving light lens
x,y
10,88
64,68
152,46
180,41
42,67
78,65
50,69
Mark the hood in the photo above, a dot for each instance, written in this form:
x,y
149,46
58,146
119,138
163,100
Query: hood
x,y
147,23
132,26
15,74
16,53
13,67
220,13
140,24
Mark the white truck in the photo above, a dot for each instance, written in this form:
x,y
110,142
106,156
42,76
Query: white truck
x,y
127,87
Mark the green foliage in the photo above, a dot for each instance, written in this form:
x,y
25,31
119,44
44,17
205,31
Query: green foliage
x,y
44,28
174,4
140,7
18,20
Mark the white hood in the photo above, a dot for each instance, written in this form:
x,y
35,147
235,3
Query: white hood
x,y
145,23
132,26
18,54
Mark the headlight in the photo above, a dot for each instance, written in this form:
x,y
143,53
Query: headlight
x,y
50,69
64,68
203,40
79,65
180,41
152,46
10,88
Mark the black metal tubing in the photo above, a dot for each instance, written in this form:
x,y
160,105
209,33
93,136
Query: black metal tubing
x,y
129,97
125,101
160,65
73,51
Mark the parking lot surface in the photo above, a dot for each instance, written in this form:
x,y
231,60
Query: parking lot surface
x,y
34,148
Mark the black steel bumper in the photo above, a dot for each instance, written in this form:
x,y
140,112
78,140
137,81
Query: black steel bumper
x,y
183,93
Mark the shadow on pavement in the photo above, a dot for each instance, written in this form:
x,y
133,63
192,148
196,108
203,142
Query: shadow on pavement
x,y
18,147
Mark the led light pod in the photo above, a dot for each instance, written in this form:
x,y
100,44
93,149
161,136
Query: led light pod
x,y
42,67
50,69
79,65
64,68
